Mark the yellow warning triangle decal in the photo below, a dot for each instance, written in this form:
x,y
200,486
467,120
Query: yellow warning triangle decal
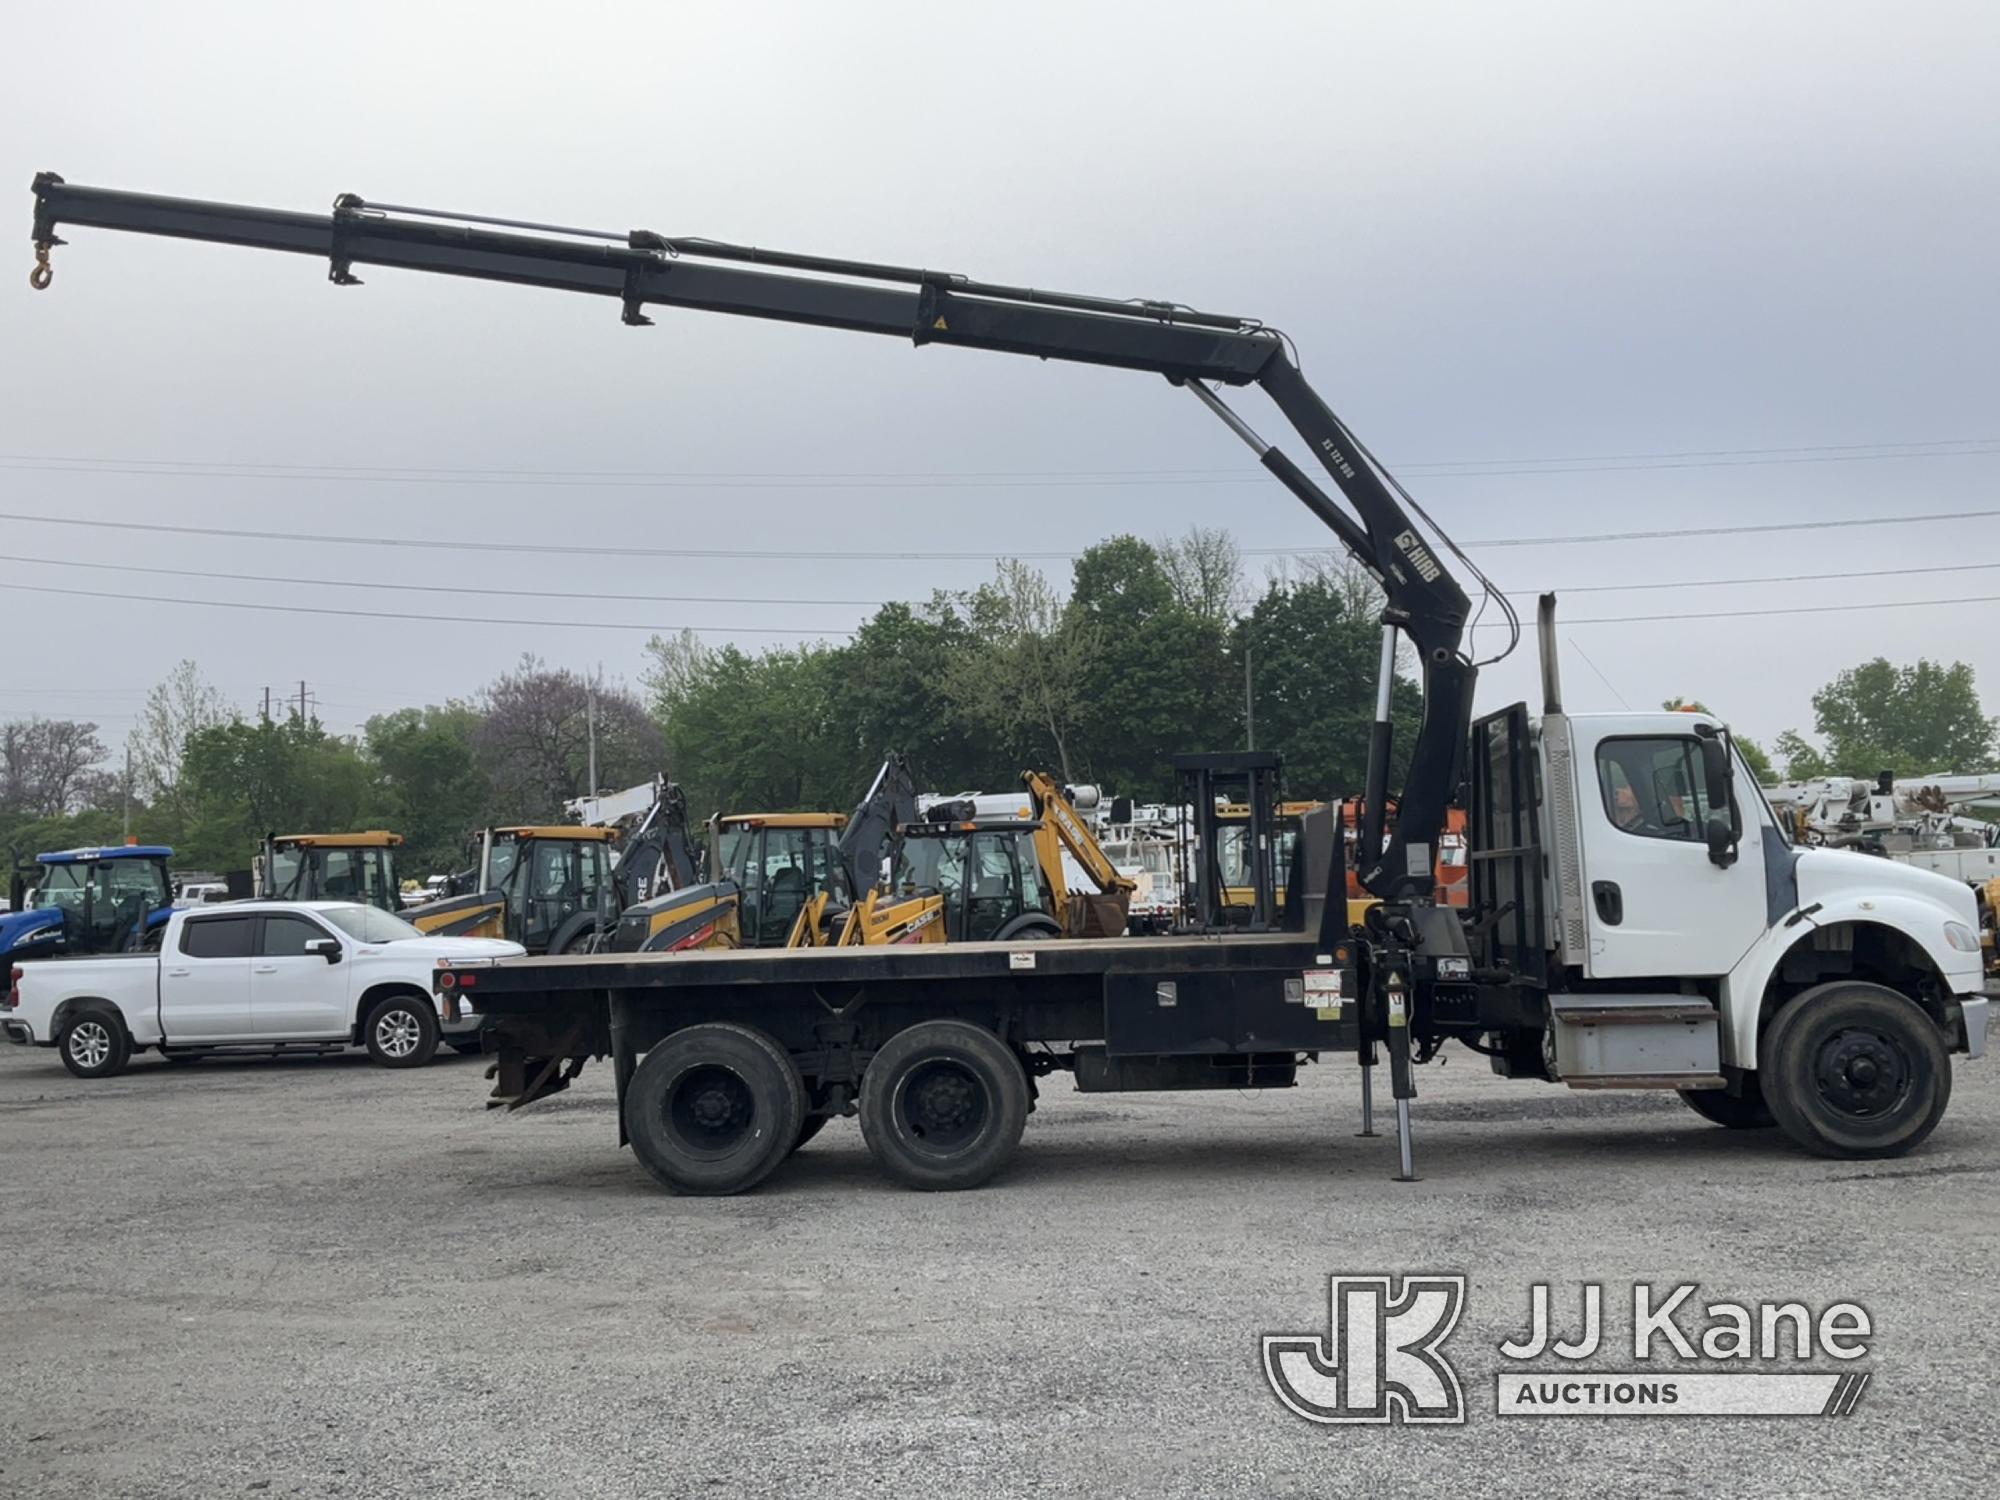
x,y
940,323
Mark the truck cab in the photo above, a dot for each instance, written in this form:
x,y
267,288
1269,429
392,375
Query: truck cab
x,y
548,887
332,867
1628,866
100,900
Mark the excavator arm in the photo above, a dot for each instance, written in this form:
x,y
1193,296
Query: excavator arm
x,y
640,269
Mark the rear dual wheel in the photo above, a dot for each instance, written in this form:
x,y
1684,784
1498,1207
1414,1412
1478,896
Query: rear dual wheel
x,y
714,1108
943,1105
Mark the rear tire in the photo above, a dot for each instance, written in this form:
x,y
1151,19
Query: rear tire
x,y
1855,1070
714,1108
943,1105
94,1043
402,1032
1744,1111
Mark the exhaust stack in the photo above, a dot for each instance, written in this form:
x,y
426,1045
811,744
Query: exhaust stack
x,y
1545,633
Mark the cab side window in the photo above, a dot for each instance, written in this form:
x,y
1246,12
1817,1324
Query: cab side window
x,y
1654,788
217,937
286,936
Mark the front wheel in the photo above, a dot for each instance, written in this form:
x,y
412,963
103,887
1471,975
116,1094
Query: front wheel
x,y
1855,1070
402,1032
943,1105
94,1044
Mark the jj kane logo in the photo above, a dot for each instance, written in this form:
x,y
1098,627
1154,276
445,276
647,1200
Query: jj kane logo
x,y
1382,1358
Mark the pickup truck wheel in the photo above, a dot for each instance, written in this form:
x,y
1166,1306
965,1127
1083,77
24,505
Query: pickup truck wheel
x,y
943,1105
1855,1070
94,1044
1744,1111
714,1108
402,1032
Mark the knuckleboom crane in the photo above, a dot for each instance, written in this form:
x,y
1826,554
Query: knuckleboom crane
x,y
1196,351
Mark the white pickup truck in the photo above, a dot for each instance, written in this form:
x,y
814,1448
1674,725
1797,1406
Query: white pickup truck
x,y
251,976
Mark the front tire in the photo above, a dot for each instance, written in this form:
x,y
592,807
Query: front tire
x,y
714,1109
402,1032
94,1044
943,1105
1855,1070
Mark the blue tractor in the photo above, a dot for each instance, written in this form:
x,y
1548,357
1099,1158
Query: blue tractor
x,y
88,901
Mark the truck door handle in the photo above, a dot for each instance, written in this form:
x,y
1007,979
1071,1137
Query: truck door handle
x,y
1610,901
178,973
265,969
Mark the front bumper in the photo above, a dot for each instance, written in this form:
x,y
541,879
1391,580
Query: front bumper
x,y
1972,1023
468,1023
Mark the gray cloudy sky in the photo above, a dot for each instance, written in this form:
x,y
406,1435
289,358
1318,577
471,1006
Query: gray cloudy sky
x,y
1497,233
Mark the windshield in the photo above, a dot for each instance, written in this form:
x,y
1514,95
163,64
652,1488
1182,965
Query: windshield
x,y
63,885
734,850
365,924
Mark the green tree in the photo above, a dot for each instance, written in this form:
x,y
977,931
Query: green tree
x,y
1021,688
1157,679
176,710
1315,646
756,734
428,785
244,780
895,692
1909,720
1753,753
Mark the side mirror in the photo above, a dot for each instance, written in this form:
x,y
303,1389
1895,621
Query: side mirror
x,y
1721,839
326,947
1715,770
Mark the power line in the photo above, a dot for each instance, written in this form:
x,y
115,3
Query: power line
x,y
383,614
572,549
1738,614
442,588
377,614
594,595
973,478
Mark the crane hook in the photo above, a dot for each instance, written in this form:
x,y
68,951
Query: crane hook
x,y
44,273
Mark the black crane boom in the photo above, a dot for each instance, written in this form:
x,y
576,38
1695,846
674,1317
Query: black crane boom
x,y
642,269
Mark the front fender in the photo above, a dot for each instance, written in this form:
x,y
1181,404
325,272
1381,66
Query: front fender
x,y
1916,918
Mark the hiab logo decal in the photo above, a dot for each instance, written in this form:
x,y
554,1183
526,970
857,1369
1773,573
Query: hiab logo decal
x,y
1380,1361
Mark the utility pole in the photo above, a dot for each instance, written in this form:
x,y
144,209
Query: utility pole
x,y
302,703
590,719
126,836
1249,706
267,705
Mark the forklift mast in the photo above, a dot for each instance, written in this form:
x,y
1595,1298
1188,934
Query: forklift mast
x,y
639,269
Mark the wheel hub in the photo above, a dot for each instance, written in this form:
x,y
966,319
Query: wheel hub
x,y
1861,1073
943,1105
710,1109
397,1034
942,1102
90,1043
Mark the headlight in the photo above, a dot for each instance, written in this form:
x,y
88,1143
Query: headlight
x,y
1961,937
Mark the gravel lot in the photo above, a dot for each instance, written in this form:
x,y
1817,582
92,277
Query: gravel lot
x,y
316,1278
